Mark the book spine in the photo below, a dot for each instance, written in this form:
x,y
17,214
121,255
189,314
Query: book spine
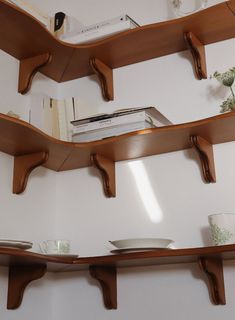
x,y
105,123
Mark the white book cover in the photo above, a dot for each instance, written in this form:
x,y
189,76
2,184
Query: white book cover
x,y
97,34
35,12
110,132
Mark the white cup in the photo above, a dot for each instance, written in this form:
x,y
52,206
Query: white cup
x,y
222,228
55,246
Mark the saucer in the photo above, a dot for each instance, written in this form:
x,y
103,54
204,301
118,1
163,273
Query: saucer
x,y
61,255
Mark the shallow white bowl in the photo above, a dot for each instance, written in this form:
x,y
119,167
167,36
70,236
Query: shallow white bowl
x,y
141,243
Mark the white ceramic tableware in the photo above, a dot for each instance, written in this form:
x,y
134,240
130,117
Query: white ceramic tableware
x,y
141,243
57,246
15,244
222,228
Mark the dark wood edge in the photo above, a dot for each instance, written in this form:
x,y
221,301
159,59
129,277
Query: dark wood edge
x,y
213,269
206,156
197,50
23,166
19,277
107,277
106,168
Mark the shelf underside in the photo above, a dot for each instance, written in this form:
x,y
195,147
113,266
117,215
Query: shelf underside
x,y
154,257
23,37
19,138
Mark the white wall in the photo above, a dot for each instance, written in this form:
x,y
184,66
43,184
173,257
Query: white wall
x,y
72,204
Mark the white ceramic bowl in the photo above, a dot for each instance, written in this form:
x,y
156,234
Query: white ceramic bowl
x,y
141,243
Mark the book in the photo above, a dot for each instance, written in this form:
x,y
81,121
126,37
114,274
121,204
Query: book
x,y
131,115
34,11
99,134
100,31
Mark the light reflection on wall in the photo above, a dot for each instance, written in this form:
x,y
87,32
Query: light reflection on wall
x,y
146,191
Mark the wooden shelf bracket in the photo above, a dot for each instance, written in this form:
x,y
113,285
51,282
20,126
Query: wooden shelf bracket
x,y
107,170
23,166
28,68
197,50
105,75
205,152
213,268
107,277
19,277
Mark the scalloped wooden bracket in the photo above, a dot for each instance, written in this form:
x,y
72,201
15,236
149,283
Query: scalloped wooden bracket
x,y
23,166
28,68
107,277
197,50
205,152
107,170
105,75
19,277
213,268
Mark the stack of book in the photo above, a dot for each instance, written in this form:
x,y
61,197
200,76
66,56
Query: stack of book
x,y
120,122
68,30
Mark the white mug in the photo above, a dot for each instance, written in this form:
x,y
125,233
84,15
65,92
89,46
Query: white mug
x,y
222,228
55,246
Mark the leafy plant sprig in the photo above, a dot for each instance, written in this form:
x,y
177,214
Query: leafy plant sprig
x,y
227,79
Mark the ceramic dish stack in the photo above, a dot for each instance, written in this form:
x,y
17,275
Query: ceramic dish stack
x,y
15,244
140,244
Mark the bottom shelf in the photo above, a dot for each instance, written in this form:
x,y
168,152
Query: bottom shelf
x,y
26,266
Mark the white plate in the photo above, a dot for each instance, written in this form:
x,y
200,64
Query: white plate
x,y
62,255
142,243
129,250
16,244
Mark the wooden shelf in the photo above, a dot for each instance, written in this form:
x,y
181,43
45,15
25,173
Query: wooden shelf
x,y
28,41
31,147
26,266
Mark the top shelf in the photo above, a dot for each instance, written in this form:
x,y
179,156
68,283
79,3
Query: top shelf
x,y
24,37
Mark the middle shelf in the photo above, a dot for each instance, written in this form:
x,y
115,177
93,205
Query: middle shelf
x,y
32,148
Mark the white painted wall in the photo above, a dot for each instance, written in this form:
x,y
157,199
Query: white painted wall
x,y
72,204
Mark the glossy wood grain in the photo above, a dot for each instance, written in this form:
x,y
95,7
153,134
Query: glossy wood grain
x,y
24,37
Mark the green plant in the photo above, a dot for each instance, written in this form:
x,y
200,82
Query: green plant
x,y
227,79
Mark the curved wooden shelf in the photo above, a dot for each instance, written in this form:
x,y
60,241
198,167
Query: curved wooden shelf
x,y
26,266
18,138
26,39
31,147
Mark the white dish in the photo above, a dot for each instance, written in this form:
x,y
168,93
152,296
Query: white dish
x,y
129,250
16,244
141,243
61,255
